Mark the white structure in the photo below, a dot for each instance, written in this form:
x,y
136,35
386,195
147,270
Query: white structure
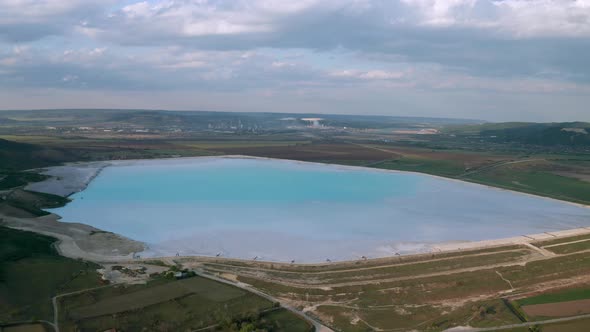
x,y
313,122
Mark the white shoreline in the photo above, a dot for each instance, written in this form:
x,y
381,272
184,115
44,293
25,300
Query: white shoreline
x,y
81,184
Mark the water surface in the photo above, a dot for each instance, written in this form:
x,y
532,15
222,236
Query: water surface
x,y
284,210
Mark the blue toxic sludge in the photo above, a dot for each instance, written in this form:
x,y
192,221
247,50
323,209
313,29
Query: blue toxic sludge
x,y
284,210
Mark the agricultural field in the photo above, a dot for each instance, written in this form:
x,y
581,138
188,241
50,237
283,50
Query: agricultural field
x,y
570,326
27,328
564,303
168,305
32,273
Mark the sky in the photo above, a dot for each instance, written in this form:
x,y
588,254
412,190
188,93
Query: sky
x,y
505,60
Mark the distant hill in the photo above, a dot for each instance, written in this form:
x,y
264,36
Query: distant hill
x,y
575,134
20,156
196,120
5,121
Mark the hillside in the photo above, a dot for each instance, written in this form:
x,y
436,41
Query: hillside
x,y
20,156
573,134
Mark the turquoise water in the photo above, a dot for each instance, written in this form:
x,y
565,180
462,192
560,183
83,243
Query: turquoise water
x,y
283,210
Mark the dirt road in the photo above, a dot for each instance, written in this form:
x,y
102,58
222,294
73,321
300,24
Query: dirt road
x,y
319,327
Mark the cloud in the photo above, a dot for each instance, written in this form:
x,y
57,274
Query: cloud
x,y
29,20
369,75
482,37
305,47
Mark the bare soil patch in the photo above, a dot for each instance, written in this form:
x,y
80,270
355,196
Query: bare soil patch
x,y
314,152
561,309
25,328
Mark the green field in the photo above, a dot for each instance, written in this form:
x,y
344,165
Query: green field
x,y
562,296
10,180
538,183
571,248
429,166
31,272
549,242
162,304
209,290
578,325
22,203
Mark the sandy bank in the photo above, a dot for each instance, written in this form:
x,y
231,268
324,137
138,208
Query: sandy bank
x,y
68,179
521,239
439,248
78,240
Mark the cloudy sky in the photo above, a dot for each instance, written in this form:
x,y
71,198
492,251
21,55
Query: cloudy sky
x,y
494,60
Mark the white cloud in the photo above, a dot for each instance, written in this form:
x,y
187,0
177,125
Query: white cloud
x,y
370,75
70,78
516,18
508,46
281,64
549,18
203,18
43,11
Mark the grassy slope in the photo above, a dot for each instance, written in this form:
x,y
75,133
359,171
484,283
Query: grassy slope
x,y
31,272
429,166
20,156
16,179
168,305
538,183
542,134
570,248
22,203
529,181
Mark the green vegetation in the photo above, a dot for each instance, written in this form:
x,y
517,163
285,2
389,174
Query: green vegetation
x,y
284,320
389,271
10,180
543,134
516,309
549,242
31,272
561,296
571,248
429,166
21,156
418,299
39,327
536,182
22,203
577,325
188,304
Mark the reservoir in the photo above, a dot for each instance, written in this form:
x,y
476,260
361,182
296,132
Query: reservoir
x,y
280,210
